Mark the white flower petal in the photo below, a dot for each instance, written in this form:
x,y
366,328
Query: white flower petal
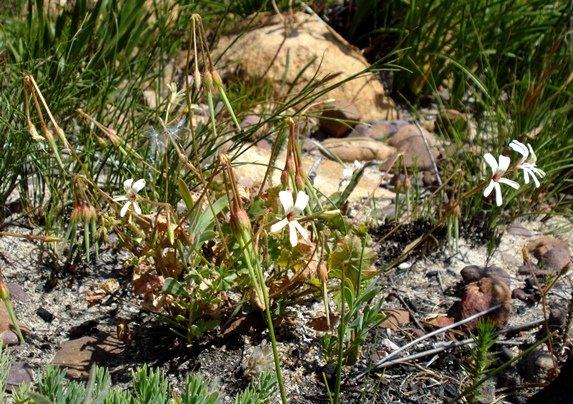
x,y
278,226
535,180
293,238
138,185
503,164
498,198
124,209
526,176
301,201
127,185
120,198
136,208
520,148
509,182
532,157
286,200
300,229
491,161
488,189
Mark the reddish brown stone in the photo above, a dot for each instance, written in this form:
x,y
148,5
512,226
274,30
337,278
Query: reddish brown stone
x,y
78,355
482,295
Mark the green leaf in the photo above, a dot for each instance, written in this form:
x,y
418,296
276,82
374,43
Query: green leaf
x,y
173,287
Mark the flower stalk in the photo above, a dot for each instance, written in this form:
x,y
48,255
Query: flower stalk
x,y
242,229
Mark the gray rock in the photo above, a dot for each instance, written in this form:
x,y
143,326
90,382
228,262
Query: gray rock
x,y
517,229
556,259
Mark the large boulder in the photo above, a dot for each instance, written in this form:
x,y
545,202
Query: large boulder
x,y
278,48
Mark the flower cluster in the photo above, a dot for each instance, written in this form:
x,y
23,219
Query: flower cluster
x,y
527,163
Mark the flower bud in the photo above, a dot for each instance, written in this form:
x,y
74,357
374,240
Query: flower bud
x,y
208,82
329,214
33,132
322,272
525,254
217,81
4,291
299,181
197,80
284,178
407,183
112,136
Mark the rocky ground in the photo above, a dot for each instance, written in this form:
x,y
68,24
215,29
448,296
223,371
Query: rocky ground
x,y
86,314
62,327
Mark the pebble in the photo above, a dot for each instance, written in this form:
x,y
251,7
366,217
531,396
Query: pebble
x,y
9,338
517,229
522,295
556,258
538,365
19,373
473,273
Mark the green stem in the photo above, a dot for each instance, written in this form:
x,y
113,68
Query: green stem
x,y
341,332
258,280
14,319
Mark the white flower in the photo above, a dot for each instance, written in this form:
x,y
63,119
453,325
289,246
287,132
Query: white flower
x,y
527,162
291,208
497,176
131,189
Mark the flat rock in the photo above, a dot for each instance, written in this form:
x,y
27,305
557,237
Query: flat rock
x,y
19,373
517,229
295,49
79,355
358,149
253,161
377,130
410,143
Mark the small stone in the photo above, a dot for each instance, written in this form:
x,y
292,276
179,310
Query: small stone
x,y
404,265
45,315
482,295
473,273
78,355
556,259
17,293
410,142
526,270
517,229
358,149
538,366
19,373
339,118
9,338
557,318
522,295
543,244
